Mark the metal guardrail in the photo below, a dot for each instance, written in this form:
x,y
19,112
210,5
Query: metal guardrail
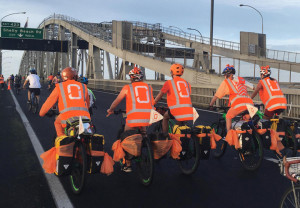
x,y
201,94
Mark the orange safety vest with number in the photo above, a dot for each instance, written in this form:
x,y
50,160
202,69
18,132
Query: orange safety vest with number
x,y
139,100
179,99
72,100
238,97
271,95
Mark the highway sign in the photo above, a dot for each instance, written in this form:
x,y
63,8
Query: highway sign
x,y
10,24
15,32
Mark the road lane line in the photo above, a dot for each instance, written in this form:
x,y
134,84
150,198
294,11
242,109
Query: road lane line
x,y
59,195
272,160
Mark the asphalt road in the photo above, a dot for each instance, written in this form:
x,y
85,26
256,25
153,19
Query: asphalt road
x,y
217,183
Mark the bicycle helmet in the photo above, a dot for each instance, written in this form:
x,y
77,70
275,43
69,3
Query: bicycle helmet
x,y
229,69
265,71
177,69
83,80
68,73
136,74
32,71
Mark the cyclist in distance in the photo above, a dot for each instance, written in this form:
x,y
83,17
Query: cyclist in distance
x,y
73,100
270,94
92,97
236,88
17,81
2,81
34,84
50,78
57,79
178,98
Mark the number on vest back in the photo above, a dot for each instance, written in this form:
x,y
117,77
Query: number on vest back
x,y
183,90
136,89
277,88
77,87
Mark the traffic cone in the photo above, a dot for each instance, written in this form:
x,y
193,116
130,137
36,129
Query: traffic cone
x,y
8,88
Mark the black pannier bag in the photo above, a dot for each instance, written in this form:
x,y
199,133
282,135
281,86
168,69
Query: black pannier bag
x,y
95,153
204,142
64,154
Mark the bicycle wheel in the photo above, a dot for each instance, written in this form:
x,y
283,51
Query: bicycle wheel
x,y
78,168
189,163
291,198
35,105
252,158
145,163
221,144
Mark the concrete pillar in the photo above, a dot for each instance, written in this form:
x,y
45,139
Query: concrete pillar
x,y
116,67
55,63
110,72
90,61
74,48
63,56
97,63
144,72
101,63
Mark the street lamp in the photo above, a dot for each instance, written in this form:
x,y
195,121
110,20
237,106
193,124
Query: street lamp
x,y
262,19
1,35
176,28
197,31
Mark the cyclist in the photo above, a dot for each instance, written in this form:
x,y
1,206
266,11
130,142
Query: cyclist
x,y
17,81
50,78
236,88
2,81
178,98
92,97
270,94
73,100
139,102
57,79
34,85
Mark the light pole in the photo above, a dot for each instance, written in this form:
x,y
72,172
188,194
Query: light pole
x,y
1,35
176,28
197,31
211,34
262,19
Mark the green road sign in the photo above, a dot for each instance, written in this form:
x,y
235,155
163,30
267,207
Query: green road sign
x,y
15,32
10,24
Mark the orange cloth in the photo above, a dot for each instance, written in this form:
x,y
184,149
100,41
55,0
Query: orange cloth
x,y
161,147
213,138
179,94
107,166
232,113
49,158
176,146
118,151
232,139
275,140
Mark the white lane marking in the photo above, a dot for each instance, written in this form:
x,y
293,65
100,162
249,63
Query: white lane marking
x,y
271,159
60,196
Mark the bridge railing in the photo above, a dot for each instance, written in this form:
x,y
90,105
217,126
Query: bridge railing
x,y
201,94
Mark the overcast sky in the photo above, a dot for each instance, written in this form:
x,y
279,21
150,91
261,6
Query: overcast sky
x,y
281,18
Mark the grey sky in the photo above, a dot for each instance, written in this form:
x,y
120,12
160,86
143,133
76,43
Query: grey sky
x,y
280,17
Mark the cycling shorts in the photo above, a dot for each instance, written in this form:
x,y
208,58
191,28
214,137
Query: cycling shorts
x,y
233,113
270,114
36,91
49,82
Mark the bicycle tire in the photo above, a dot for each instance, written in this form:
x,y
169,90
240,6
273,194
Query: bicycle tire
x,y
78,168
221,144
145,163
288,198
248,161
35,105
189,164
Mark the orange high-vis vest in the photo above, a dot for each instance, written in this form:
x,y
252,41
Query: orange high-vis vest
x,y
271,95
179,99
1,80
139,100
238,97
72,100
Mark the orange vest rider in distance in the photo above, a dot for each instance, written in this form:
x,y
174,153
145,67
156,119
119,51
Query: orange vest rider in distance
x,y
271,95
179,99
238,97
139,102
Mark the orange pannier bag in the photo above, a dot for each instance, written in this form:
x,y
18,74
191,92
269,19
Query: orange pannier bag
x,y
160,145
129,145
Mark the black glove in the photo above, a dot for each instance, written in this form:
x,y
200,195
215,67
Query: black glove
x,y
211,108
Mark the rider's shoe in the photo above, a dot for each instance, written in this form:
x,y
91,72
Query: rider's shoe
x,y
28,101
126,169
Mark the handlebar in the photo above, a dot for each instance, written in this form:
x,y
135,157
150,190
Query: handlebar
x,y
287,165
119,111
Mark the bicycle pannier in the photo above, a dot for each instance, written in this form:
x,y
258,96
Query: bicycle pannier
x,y
95,154
185,136
64,153
204,142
